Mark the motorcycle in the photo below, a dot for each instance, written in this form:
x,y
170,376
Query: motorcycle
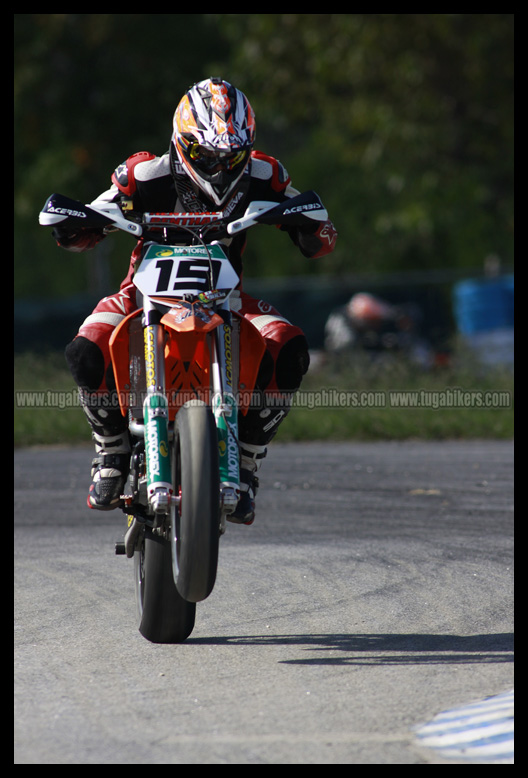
x,y
185,365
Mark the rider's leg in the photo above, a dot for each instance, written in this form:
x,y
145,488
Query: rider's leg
x,y
282,368
89,360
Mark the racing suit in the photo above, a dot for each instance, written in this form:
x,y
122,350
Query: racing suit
x,y
149,183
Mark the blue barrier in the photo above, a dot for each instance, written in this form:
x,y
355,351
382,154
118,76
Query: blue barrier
x,y
482,305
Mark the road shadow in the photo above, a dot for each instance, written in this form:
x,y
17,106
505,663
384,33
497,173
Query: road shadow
x,y
375,650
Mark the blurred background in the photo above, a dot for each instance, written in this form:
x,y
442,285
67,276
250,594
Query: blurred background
x,y
403,123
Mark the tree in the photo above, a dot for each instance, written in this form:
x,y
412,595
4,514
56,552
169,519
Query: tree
x,y
91,89
404,120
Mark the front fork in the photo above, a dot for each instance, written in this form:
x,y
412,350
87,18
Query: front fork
x,y
156,417
224,359
225,408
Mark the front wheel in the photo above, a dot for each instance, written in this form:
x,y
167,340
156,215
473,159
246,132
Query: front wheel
x,y
195,526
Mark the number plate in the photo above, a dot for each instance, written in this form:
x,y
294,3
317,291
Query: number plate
x,y
174,271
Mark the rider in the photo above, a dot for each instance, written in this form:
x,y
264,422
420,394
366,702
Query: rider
x,y
210,166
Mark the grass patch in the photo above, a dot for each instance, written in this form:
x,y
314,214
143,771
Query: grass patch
x,y
46,410
397,401
342,400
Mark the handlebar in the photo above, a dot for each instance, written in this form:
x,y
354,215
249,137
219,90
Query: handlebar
x,y
299,210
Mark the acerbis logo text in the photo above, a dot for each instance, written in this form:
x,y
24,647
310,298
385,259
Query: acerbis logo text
x,y
301,208
66,212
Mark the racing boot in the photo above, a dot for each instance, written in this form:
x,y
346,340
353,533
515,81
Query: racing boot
x,y
251,457
109,428
109,471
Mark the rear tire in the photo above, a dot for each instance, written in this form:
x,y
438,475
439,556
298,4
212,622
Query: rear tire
x,y
195,527
163,615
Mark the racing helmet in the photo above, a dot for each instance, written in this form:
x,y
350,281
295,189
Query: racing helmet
x,y
366,309
213,136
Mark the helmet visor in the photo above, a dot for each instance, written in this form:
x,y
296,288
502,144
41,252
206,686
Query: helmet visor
x,y
209,162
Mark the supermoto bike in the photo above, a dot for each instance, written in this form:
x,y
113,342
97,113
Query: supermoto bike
x,y
185,365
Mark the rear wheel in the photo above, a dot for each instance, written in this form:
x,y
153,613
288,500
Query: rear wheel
x,y
195,526
163,615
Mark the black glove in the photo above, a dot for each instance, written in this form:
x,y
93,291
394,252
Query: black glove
x,y
79,240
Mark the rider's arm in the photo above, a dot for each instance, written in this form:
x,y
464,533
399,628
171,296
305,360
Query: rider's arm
x,y
81,240
122,191
84,239
313,241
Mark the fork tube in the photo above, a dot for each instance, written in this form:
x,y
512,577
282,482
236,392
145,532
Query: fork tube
x,y
225,406
154,334
156,415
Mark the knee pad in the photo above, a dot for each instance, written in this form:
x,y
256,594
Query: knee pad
x,y
86,362
292,364
265,373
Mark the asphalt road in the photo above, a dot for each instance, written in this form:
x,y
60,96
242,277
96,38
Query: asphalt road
x,y
374,590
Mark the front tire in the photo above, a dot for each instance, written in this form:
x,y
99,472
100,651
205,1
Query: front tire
x,y
195,530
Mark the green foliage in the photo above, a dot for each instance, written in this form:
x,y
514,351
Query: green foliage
x,y
91,89
402,122
406,127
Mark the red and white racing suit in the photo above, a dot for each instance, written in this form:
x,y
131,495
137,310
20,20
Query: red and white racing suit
x,y
145,183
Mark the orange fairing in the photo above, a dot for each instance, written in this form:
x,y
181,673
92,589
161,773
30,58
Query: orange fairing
x,y
187,368
190,317
252,348
187,358
187,354
119,353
